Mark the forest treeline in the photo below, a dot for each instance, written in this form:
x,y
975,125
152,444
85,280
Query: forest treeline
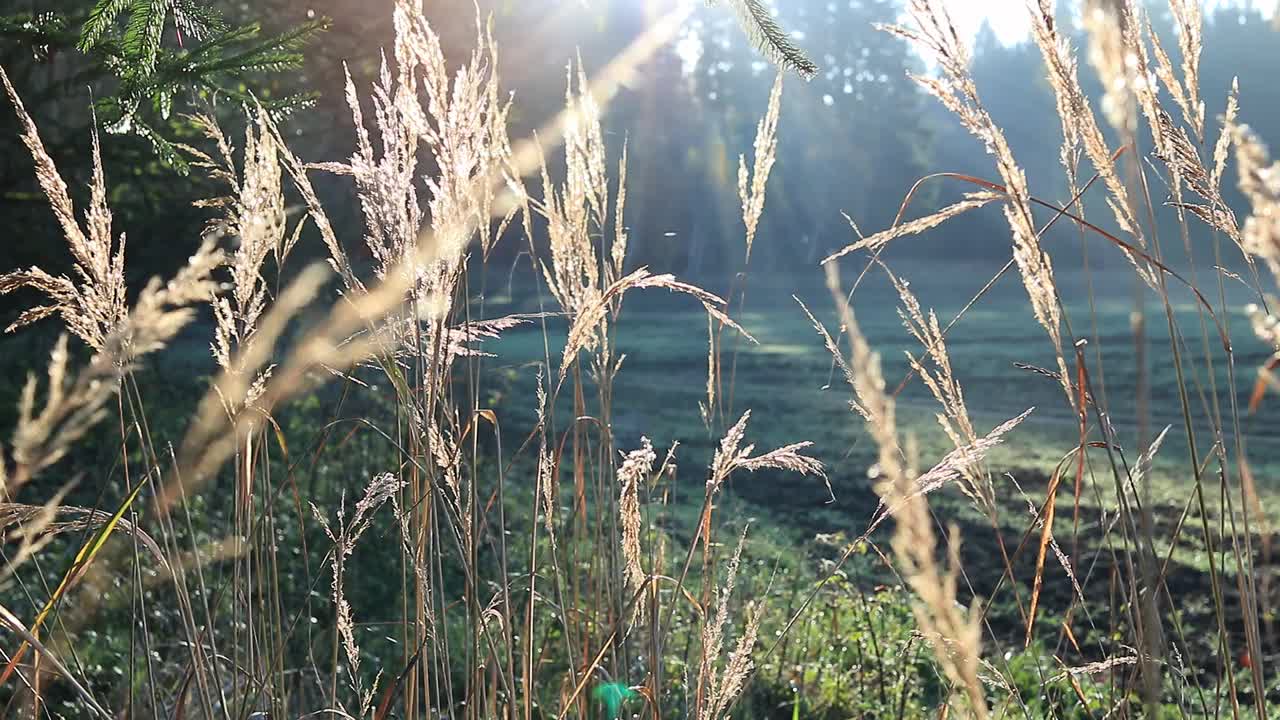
x,y
852,141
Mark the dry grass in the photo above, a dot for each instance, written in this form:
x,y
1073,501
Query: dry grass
x,y
499,615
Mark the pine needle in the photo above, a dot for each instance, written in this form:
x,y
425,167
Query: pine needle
x,y
770,39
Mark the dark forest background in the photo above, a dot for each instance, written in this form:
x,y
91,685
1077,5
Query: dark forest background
x,y
853,140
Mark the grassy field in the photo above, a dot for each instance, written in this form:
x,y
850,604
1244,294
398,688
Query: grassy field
x,y
788,378
789,374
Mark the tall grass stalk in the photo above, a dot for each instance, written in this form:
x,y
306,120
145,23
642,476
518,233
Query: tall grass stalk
x,y
558,568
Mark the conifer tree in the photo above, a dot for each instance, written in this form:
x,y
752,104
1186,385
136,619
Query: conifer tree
x,y
149,55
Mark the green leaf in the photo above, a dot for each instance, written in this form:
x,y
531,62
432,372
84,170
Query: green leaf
x,y
613,694
83,558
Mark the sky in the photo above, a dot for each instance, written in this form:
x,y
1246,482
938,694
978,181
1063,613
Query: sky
x,y
1010,21
1007,17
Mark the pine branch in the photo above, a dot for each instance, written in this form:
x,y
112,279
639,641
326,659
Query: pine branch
x,y
124,39
142,35
198,20
33,28
42,33
224,40
770,39
101,19
166,151
273,54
